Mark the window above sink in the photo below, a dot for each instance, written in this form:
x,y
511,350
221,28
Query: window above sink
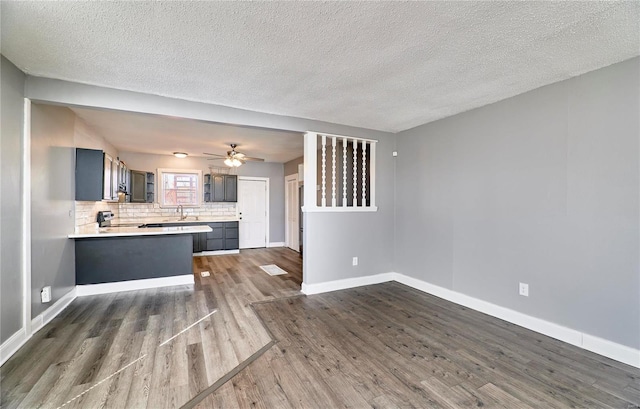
x,y
180,187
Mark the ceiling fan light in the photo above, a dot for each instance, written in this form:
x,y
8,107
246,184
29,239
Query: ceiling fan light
x,y
180,155
228,162
236,162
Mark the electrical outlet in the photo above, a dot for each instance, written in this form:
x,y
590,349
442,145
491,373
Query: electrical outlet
x,y
205,274
354,261
395,154
524,289
45,294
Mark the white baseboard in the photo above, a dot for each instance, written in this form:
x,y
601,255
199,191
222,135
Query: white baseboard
x,y
12,345
276,244
17,340
615,351
215,253
609,349
131,285
346,283
50,313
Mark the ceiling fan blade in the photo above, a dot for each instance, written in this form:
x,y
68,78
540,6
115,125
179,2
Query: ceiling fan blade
x,y
214,154
223,158
253,159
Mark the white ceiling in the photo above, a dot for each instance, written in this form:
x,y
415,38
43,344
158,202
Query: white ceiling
x,y
380,65
162,135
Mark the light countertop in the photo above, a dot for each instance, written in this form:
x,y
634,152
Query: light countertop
x,y
92,232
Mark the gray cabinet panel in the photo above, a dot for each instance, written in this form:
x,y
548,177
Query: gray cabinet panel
x,y
230,188
138,186
218,188
89,174
215,244
231,244
110,259
231,233
142,186
217,233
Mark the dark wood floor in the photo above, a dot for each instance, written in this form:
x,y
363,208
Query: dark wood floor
x,y
382,346
389,346
84,350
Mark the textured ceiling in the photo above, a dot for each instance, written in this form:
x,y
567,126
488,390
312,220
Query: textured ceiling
x,y
381,65
134,132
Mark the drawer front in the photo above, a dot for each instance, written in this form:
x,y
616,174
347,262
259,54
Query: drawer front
x,y
217,232
231,244
215,244
231,224
230,233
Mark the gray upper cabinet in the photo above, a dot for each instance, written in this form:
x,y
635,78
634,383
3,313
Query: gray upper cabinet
x,y
220,188
142,186
138,182
89,174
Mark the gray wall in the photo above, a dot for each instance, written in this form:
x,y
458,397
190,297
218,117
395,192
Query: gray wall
x,y
273,171
542,188
332,239
52,203
11,114
291,167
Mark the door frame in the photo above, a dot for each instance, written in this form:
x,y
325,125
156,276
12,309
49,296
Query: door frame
x,y
266,225
287,239
26,220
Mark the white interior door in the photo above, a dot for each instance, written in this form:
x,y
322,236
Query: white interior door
x,y
252,209
291,213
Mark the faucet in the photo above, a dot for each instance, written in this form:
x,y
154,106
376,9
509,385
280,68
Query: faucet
x,y
181,210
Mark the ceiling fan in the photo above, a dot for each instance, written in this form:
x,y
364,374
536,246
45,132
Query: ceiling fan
x,y
234,158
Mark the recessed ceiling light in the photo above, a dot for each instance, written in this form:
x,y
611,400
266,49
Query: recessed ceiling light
x,y
180,155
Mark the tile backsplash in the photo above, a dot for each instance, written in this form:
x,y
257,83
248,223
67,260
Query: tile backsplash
x,y
129,212
86,212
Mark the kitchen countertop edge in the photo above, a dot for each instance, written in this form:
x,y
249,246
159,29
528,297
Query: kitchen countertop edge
x,y
136,231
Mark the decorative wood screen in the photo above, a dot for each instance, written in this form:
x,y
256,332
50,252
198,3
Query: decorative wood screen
x,y
342,168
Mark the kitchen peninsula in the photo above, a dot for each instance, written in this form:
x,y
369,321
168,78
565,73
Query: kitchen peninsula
x,y
129,254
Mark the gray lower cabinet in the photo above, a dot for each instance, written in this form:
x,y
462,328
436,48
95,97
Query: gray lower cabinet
x,y
223,236
231,236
